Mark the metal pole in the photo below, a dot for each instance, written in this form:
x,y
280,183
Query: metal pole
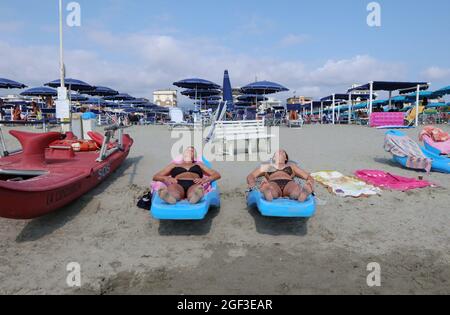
x,y
371,99
417,105
61,47
390,100
350,109
334,109
321,110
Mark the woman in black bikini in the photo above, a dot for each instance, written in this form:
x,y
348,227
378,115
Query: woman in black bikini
x,y
185,180
279,179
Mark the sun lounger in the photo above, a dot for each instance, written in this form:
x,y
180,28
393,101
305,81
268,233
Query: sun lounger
x,y
282,207
183,210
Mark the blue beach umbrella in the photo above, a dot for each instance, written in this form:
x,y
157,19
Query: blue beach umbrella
x,y
263,88
196,84
71,84
120,97
10,84
100,91
40,92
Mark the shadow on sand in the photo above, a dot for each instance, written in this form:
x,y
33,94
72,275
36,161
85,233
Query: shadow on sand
x,y
279,226
50,223
189,228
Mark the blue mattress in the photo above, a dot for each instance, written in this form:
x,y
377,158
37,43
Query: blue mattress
x,y
439,164
183,210
283,208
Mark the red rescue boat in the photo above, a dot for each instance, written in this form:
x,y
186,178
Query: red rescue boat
x,y
43,177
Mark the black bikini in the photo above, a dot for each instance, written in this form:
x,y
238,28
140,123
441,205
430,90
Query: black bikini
x,y
282,183
186,183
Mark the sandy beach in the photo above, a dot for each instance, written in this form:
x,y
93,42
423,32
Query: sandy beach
x,y
121,249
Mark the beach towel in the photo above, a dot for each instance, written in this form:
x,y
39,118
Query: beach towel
x,y
436,134
345,186
389,181
406,147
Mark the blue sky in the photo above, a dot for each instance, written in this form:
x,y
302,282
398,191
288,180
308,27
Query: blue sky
x,y
313,47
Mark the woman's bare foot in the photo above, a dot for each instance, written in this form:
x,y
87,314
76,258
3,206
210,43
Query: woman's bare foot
x,y
306,192
268,195
167,197
197,195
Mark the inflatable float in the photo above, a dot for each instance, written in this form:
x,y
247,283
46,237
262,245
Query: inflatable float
x,y
439,163
282,207
183,210
42,178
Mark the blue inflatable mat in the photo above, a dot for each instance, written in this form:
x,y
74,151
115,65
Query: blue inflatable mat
x,y
183,210
283,207
439,163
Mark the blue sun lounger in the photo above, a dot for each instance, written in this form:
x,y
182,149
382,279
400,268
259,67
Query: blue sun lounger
x,y
283,207
183,210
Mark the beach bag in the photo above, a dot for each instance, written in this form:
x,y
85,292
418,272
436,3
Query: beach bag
x,y
145,202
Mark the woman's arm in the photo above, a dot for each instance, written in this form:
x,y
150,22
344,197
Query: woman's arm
x,y
164,176
304,175
251,179
213,175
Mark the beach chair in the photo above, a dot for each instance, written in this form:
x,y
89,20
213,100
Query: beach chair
x,y
411,117
295,121
183,210
177,119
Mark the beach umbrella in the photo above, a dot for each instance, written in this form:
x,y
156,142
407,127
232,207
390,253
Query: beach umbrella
x,y
202,93
100,91
71,84
40,92
78,97
196,84
120,97
251,97
95,101
227,92
10,84
263,88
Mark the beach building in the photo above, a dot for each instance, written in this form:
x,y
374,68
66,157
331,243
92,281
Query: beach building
x,y
299,100
165,98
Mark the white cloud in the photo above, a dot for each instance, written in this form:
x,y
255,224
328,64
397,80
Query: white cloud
x,y
294,39
142,62
437,73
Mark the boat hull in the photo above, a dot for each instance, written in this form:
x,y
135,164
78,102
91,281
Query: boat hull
x,y
61,186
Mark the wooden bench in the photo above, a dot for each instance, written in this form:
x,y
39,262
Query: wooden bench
x,y
229,132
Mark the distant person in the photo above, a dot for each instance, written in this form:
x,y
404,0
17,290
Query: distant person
x,y
49,102
16,113
425,102
2,110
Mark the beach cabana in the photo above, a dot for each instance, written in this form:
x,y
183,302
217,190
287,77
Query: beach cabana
x,y
344,97
391,87
442,92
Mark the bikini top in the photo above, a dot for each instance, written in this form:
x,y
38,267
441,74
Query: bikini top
x,y
177,171
288,170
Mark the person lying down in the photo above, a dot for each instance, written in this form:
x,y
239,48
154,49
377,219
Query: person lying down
x,y
185,180
279,179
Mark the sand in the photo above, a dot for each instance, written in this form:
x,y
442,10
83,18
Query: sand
x,y
121,249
